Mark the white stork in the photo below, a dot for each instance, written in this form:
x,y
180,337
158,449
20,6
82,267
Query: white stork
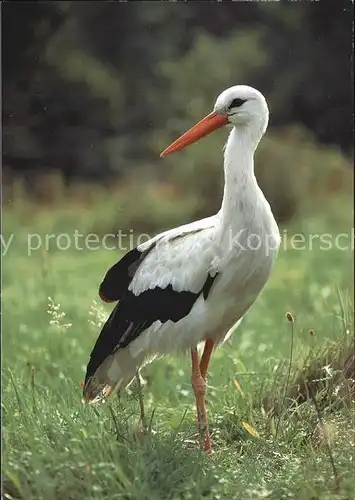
x,y
194,283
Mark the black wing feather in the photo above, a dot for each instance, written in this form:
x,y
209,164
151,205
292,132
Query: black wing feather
x,y
135,313
118,278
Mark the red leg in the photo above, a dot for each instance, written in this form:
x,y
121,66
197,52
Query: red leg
x,y
206,356
199,387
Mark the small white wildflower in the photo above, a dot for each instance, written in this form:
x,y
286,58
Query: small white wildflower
x,y
98,315
56,315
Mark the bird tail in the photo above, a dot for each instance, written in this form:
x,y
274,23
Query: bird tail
x,y
116,372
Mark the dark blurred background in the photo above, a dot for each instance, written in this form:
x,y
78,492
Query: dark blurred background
x,y
92,91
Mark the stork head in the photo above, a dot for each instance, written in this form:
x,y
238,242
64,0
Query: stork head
x,y
242,106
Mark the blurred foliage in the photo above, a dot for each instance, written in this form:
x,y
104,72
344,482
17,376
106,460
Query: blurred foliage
x,y
293,170
96,89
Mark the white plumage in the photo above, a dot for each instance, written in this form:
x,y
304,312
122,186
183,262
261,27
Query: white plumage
x,y
224,261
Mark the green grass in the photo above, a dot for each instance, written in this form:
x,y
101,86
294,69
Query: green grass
x,y
54,447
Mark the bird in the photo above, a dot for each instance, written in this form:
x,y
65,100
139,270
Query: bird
x,y
188,288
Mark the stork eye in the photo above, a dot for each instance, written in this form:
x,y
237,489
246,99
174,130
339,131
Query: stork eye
x,y
236,103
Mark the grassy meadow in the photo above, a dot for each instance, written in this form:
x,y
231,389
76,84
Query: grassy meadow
x,y
279,393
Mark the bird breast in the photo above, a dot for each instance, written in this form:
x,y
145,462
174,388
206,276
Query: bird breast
x,y
247,255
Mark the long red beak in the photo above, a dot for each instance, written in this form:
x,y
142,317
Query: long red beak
x,y
207,125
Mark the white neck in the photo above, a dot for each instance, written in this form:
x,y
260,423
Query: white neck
x,y
241,190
